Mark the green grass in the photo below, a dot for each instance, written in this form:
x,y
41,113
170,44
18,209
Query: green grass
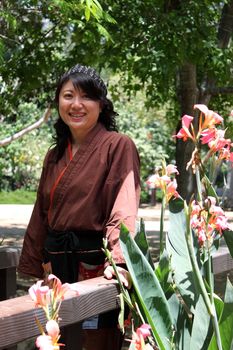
x,y
17,197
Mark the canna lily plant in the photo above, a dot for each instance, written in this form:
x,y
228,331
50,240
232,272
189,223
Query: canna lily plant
x,y
176,297
49,299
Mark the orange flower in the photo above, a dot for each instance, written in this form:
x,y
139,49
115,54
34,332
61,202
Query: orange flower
x,y
211,117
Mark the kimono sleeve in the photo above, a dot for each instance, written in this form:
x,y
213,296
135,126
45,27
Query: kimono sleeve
x,y
31,257
122,193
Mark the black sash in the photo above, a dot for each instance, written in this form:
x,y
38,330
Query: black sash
x,y
64,250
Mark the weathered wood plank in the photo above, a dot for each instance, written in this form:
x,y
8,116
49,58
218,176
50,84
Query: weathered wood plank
x,y
17,316
222,261
9,257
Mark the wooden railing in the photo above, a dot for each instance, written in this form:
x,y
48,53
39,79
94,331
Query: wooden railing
x,y
17,316
95,296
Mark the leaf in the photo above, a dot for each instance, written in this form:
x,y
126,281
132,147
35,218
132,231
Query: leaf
x,y
149,292
228,236
142,243
163,270
87,13
201,324
225,322
104,32
182,322
180,260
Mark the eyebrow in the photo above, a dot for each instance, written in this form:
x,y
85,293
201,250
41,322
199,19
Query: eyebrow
x,y
68,90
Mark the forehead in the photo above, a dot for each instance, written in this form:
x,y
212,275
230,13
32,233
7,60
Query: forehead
x,y
68,85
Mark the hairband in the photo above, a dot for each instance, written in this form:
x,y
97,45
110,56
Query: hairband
x,y
89,71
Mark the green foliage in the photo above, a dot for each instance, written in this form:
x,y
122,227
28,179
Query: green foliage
x,y
160,38
145,126
21,161
39,40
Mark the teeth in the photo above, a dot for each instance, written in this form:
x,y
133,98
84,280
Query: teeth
x,y
76,115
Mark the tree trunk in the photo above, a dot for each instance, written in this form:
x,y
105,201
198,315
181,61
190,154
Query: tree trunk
x,y
188,97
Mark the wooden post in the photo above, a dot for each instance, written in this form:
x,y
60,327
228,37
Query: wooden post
x,y
8,262
9,258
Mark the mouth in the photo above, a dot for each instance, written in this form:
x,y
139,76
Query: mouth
x,y
77,115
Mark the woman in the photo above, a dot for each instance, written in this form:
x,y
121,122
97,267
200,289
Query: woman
x,y
89,185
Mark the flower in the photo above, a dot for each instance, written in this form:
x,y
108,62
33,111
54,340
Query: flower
x,y
207,220
39,294
184,132
44,342
59,289
165,182
50,300
208,135
138,337
171,169
53,330
211,118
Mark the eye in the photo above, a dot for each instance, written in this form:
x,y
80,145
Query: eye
x,y
86,97
68,95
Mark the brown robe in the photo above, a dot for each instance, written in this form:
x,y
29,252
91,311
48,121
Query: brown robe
x,y
97,189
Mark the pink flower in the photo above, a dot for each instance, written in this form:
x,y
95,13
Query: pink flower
x,y
207,221
171,190
39,294
171,169
144,330
53,330
211,118
44,342
219,142
59,289
184,132
208,135
139,336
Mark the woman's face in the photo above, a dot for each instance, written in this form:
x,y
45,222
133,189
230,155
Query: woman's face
x,y
77,110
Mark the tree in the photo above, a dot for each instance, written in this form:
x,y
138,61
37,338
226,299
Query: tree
x,y
38,41
181,51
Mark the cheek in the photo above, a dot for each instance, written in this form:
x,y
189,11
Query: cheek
x,y
62,106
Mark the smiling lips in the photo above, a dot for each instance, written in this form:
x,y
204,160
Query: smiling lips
x,y
76,116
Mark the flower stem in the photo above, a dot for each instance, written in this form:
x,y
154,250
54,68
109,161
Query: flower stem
x,y
208,303
198,180
161,233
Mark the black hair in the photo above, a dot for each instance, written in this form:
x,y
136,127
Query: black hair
x,y
96,92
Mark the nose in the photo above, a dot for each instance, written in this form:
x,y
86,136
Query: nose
x,y
77,101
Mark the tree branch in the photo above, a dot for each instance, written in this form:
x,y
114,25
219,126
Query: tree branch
x,y
29,128
214,90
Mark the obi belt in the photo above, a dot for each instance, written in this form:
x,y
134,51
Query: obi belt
x,y
65,249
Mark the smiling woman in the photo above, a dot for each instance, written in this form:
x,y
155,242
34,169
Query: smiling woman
x,y
78,111
89,185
